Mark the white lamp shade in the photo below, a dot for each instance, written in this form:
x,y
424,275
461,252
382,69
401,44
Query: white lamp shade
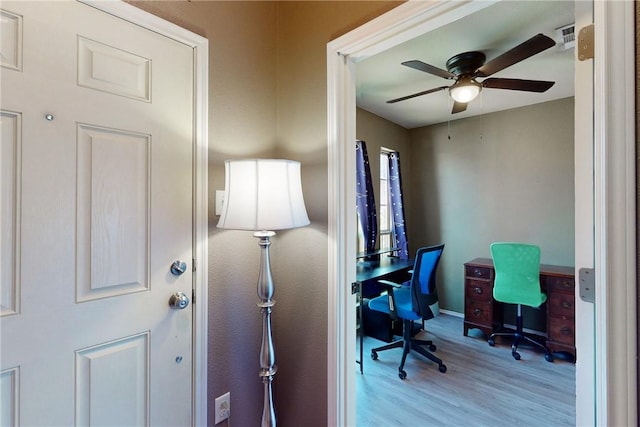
x,y
262,194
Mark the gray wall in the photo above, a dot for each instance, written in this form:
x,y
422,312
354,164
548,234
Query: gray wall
x,y
304,29
506,176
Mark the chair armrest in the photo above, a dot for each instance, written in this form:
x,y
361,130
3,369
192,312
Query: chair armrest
x,y
389,284
392,302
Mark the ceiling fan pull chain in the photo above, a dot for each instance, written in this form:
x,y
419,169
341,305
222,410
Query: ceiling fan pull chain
x,y
448,102
481,117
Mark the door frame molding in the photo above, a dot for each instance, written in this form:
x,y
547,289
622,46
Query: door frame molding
x,y
615,217
200,46
614,193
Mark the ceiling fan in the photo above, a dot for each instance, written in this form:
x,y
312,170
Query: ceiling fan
x,y
465,67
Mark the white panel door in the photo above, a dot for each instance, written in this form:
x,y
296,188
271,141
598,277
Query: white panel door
x,y
96,178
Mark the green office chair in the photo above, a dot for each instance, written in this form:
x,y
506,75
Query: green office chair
x,y
413,300
517,281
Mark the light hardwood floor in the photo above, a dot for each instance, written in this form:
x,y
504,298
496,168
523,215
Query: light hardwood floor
x,y
483,385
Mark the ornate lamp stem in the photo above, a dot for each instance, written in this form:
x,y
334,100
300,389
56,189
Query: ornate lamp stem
x,y
266,289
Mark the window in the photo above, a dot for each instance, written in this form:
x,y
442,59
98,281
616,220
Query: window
x,y
385,214
360,243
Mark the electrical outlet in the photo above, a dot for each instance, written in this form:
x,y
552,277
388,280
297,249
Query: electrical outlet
x,y
223,407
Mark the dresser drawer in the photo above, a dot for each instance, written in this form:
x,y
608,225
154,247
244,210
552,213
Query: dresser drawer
x,y
478,311
478,290
561,331
478,272
561,305
560,284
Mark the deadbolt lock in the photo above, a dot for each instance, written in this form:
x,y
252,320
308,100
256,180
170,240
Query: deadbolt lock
x,y
178,267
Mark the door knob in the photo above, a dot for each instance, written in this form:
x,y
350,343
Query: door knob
x,y
178,301
178,267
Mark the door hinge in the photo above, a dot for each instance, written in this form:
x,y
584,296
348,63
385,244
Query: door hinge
x,y
193,296
587,285
585,42
193,265
355,288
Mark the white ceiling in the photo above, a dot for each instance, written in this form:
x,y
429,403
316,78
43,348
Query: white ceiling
x,y
493,31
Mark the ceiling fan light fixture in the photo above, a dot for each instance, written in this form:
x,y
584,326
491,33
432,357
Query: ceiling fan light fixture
x,y
464,91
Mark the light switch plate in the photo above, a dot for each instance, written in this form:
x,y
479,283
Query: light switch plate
x,y
219,201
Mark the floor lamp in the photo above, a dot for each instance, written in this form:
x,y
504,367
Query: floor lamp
x,y
263,195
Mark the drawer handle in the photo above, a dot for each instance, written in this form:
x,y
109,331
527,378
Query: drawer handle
x,y
477,272
477,312
565,331
477,290
567,285
566,304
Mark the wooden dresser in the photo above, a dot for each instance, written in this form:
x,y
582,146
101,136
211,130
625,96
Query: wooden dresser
x,y
481,311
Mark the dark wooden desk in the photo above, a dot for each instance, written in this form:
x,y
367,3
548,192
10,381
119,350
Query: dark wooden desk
x,y
385,268
481,311
374,254
368,273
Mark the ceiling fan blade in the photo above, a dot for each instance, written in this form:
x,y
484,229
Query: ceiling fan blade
x,y
458,107
534,45
421,66
517,84
437,89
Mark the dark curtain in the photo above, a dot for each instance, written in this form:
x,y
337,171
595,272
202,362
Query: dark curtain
x,y
397,207
365,199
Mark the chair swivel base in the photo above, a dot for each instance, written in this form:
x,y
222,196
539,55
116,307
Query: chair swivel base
x,y
408,344
517,338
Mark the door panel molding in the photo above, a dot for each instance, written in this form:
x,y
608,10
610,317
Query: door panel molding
x,y
109,261
125,362
10,200
110,69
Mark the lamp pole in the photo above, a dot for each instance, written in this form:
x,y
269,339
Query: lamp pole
x,y
268,366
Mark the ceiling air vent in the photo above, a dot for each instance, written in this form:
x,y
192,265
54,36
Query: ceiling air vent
x,y
566,36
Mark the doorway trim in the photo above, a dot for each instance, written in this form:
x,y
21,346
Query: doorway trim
x,y
200,46
614,192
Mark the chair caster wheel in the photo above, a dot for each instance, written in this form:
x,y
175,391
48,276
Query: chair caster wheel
x,y
491,342
374,355
432,347
548,357
516,355
402,374
442,368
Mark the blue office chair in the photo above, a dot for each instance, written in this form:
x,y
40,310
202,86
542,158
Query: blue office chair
x,y
517,281
413,300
